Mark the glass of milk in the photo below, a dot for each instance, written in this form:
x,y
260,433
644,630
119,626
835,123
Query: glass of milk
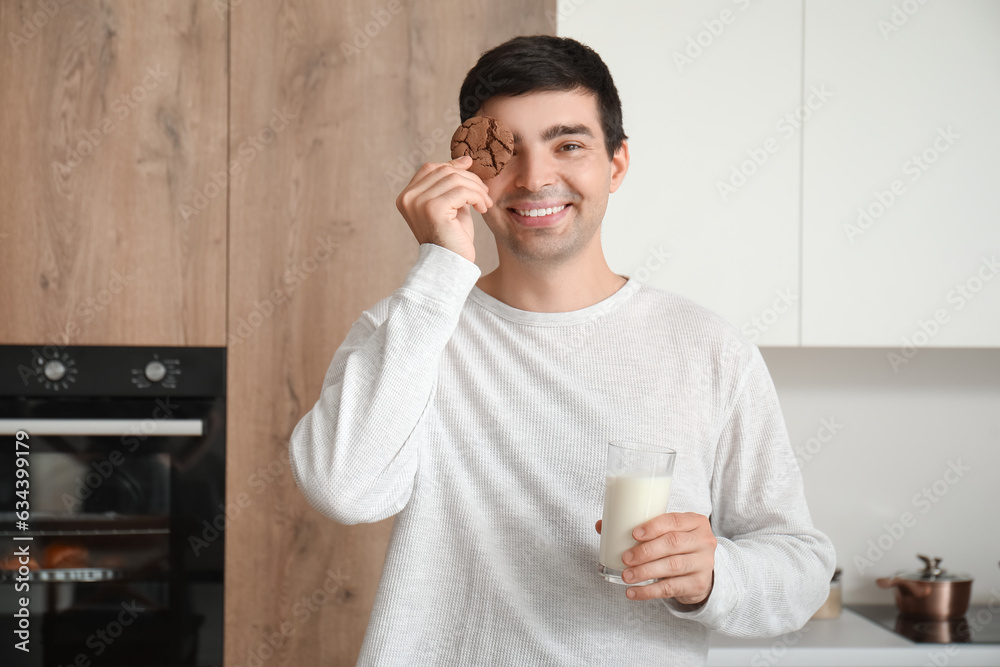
x,y
636,489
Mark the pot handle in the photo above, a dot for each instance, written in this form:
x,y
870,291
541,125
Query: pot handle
x,y
918,589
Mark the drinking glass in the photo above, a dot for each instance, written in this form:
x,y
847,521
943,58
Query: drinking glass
x,y
636,489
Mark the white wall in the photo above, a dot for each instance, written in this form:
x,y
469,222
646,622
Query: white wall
x,y
893,436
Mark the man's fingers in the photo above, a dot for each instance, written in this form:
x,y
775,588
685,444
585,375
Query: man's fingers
x,y
455,196
670,544
441,181
458,190
477,183
674,587
674,566
665,523
460,163
677,549
446,169
437,197
431,173
448,204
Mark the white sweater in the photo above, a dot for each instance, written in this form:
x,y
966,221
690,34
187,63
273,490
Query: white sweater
x,y
484,429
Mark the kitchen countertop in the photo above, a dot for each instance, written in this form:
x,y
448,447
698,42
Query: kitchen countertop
x,y
851,640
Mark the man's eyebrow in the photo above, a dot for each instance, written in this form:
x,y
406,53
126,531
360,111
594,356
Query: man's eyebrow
x,y
559,130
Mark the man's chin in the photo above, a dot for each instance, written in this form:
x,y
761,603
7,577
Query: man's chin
x,y
541,250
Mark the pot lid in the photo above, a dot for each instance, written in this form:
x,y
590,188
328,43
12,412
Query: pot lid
x,y
933,572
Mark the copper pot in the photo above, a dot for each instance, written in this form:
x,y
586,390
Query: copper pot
x,y
930,594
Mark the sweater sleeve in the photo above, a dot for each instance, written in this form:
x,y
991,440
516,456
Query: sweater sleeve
x,y
354,454
772,567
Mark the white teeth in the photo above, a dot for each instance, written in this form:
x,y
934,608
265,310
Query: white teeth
x,y
535,212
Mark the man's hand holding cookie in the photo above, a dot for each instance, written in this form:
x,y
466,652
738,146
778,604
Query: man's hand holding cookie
x,y
436,205
436,202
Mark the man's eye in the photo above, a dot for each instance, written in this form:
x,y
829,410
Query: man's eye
x,y
571,147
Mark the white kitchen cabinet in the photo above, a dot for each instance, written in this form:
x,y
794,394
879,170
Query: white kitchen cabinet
x,y
901,212
821,172
712,100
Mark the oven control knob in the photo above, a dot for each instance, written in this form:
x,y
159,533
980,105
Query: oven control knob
x,y
54,370
155,371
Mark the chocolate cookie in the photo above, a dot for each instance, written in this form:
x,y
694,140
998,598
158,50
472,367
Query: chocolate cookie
x,y
487,141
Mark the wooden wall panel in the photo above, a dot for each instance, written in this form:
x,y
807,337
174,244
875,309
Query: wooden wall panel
x,y
315,239
113,112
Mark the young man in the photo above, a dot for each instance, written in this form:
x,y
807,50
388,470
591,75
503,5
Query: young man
x,y
477,410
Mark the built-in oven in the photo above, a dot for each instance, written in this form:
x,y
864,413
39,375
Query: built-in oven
x,y
112,505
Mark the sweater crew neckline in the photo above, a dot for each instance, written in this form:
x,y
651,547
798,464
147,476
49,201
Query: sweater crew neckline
x,y
566,318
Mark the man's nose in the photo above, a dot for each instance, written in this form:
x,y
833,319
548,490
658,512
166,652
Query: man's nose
x,y
533,170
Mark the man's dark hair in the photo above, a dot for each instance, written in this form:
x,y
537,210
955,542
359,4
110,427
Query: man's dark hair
x,y
545,63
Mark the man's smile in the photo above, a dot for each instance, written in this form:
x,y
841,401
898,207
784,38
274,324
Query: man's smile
x,y
540,214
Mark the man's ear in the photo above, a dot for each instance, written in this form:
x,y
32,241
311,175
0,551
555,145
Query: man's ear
x,y
619,165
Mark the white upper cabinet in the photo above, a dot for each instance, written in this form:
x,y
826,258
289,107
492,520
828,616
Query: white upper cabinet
x,y
901,185
712,100
821,173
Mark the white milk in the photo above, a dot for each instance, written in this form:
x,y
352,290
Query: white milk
x,y
628,502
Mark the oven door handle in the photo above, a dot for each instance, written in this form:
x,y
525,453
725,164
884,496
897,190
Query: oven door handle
x,y
113,427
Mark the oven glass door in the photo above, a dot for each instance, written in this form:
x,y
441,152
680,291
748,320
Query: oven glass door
x,y
125,557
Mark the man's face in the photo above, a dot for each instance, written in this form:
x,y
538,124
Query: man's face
x,y
550,199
